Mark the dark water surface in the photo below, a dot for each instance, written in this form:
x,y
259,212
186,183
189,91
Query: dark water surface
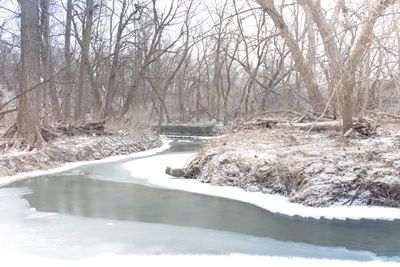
x,y
83,194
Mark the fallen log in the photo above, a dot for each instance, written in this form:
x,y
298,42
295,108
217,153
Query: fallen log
x,y
276,123
365,127
318,126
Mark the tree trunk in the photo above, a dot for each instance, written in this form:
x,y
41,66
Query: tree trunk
x,y
128,102
111,89
355,58
28,118
50,89
81,107
68,79
366,84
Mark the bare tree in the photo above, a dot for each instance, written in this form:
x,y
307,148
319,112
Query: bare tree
x,y
341,78
68,78
302,66
124,19
83,82
355,58
28,119
47,61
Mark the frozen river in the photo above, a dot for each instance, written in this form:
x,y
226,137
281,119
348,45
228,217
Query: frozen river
x,y
105,208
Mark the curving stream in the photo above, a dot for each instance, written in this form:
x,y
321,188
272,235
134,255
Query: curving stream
x,y
101,208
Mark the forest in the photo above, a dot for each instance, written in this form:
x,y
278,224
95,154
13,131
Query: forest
x,y
137,64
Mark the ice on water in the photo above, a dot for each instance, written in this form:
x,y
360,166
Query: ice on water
x,y
53,235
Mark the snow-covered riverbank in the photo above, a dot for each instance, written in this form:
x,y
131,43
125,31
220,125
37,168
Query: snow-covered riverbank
x,y
73,149
146,146
144,168
313,169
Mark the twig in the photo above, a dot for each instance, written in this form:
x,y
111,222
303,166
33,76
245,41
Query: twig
x,y
32,88
302,118
348,132
2,113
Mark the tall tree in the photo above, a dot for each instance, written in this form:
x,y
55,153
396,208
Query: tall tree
x,y
360,48
68,78
83,83
28,118
47,61
124,19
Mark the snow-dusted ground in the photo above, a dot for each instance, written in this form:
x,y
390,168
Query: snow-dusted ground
x,y
317,169
73,149
67,166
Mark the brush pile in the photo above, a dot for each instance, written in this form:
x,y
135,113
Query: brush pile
x,y
96,128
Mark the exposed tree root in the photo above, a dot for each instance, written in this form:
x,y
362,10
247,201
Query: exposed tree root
x,y
16,141
43,135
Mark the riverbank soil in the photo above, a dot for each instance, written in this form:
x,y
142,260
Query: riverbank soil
x,y
312,168
64,148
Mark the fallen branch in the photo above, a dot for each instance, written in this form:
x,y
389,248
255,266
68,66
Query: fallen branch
x,y
349,132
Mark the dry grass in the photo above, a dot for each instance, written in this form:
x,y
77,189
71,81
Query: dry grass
x,y
317,169
383,194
